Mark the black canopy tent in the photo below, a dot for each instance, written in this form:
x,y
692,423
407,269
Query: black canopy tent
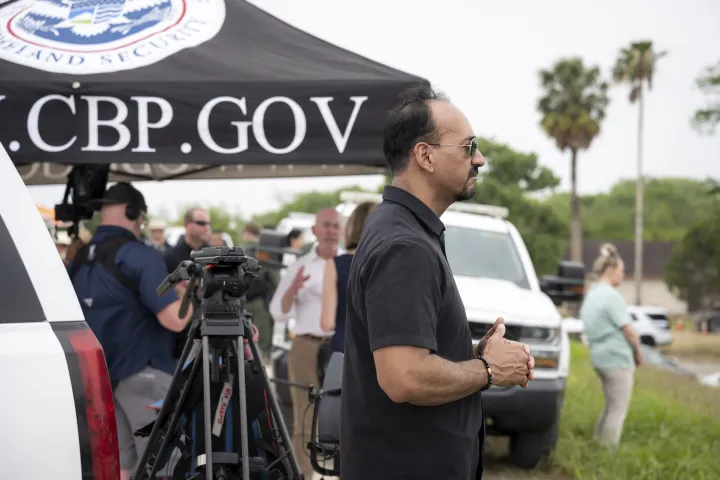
x,y
166,89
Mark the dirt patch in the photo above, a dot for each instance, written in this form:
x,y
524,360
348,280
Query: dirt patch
x,y
497,466
689,344
700,366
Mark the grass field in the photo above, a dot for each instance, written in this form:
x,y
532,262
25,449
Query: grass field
x,y
690,344
672,430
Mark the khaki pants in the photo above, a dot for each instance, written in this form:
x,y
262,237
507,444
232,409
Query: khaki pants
x,y
617,387
302,368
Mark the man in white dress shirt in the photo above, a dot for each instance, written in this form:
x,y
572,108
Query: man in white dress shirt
x,y
299,296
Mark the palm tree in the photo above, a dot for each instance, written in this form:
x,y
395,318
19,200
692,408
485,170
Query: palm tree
x,y
572,107
706,119
636,67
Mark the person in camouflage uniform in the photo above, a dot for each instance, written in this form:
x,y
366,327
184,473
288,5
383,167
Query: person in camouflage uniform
x,y
260,293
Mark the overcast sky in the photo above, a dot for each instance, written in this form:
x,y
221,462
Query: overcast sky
x,y
486,55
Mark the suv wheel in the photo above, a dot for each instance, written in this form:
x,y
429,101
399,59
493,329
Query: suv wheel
x,y
649,341
528,448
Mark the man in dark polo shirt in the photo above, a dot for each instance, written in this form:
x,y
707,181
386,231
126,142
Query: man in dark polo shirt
x,y
411,405
197,235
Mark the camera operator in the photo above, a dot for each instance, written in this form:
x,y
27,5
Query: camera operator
x,y
260,293
115,278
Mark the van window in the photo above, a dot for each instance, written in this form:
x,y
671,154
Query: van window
x,y
483,254
18,301
657,316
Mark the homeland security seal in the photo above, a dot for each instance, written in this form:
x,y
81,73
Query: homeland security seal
x,y
102,36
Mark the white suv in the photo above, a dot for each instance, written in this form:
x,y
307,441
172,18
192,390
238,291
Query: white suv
x,y
57,416
652,325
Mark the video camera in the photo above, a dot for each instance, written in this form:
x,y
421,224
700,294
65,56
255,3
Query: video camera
x,y
271,248
85,183
233,382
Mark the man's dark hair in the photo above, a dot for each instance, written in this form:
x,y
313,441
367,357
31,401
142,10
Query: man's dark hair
x,y
408,122
294,233
252,228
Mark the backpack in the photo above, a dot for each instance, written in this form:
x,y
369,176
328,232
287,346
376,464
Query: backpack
x,y
104,253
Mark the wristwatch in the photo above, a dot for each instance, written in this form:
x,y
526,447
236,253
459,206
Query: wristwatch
x,y
489,373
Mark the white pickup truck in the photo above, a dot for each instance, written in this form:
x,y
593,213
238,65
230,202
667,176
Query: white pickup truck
x,y
57,415
496,278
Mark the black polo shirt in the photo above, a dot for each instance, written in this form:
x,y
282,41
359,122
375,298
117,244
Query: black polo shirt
x,y
401,291
174,256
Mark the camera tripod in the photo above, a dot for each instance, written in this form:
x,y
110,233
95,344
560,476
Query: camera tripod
x,y
218,337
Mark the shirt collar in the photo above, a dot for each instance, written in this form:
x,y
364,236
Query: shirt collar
x,y
313,256
416,206
103,232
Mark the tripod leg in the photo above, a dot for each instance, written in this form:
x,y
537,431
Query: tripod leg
x,y
243,409
177,408
206,412
279,421
168,404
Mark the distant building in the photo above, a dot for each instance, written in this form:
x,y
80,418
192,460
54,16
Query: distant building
x,y
656,256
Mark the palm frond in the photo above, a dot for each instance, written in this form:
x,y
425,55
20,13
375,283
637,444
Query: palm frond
x,y
573,103
635,66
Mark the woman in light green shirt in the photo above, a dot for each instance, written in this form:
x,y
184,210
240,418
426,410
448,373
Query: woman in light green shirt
x,y
614,344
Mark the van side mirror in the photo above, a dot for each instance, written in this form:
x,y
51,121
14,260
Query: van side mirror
x,y
568,285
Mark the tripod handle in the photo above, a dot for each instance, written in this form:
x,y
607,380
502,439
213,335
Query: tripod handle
x,y
185,304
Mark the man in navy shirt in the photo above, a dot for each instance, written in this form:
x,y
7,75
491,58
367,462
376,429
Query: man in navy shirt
x,y
134,325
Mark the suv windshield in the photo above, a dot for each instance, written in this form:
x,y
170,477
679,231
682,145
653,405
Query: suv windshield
x,y
484,254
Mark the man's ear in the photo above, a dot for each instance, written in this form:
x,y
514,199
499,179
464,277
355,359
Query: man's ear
x,y
422,155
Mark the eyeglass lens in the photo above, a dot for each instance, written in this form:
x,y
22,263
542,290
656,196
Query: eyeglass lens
x,y
473,147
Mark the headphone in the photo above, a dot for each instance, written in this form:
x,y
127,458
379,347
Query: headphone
x,y
132,212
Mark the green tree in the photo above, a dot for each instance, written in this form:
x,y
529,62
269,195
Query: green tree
x,y
693,272
706,119
572,108
509,180
225,221
635,66
673,205
307,202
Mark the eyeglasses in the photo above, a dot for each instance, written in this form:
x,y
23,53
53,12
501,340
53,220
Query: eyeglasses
x,y
472,147
202,223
